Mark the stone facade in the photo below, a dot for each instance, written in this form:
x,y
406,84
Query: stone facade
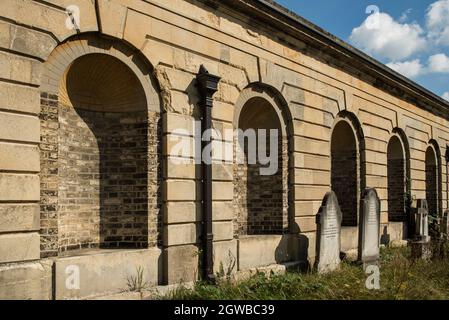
x,y
90,119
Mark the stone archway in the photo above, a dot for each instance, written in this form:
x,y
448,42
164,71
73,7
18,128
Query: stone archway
x,y
396,177
103,147
264,204
432,179
344,171
263,198
100,150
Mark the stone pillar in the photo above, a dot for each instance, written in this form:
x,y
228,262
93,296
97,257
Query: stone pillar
x,y
19,170
181,199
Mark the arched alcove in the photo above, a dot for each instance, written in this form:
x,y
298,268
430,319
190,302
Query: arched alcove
x,y
103,180
432,179
344,170
263,197
396,176
100,148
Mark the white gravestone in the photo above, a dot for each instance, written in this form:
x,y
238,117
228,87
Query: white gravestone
x,y
421,245
422,221
329,233
370,228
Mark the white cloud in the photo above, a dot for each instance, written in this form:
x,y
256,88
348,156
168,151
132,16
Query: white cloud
x,y
439,63
381,35
438,22
404,15
445,96
409,69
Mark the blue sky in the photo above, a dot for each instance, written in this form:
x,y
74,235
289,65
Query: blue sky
x,y
411,36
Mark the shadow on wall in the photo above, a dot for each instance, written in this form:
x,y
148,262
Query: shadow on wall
x,y
294,247
107,141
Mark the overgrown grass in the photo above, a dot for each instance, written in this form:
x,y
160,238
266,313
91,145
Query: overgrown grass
x,y
401,279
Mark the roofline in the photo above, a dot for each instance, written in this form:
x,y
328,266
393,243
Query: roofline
x,y
270,7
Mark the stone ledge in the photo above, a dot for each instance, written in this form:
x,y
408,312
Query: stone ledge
x,y
264,250
24,281
102,273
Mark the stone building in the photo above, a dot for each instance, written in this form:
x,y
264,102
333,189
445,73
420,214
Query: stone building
x,y
92,97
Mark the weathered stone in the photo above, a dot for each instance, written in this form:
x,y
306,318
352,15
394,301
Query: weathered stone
x,y
329,234
180,190
223,230
176,234
136,191
24,281
19,127
181,264
19,157
19,187
225,257
264,250
18,68
422,223
369,248
19,247
101,273
19,98
445,224
182,212
19,217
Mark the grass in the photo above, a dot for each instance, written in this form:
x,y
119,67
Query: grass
x,y
400,279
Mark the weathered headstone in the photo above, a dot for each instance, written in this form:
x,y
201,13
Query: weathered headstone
x,y
369,228
422,221
421,247
329,234
445,225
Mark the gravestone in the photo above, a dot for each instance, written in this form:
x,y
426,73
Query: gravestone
x,y
329,234
422,221
445,225
369,228
421,246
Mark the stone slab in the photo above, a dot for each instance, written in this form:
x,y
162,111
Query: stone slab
x,y
329,234
369,249
263,250
104,273
19,217
17,247
26,281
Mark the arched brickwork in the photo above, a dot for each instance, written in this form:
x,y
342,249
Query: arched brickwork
x,y
398,177
347,165
100,148
263,203
433,178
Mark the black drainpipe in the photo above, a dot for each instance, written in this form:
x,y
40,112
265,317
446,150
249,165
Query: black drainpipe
x,y
208,85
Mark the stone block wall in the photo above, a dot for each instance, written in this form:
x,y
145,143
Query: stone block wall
x,y
175,38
